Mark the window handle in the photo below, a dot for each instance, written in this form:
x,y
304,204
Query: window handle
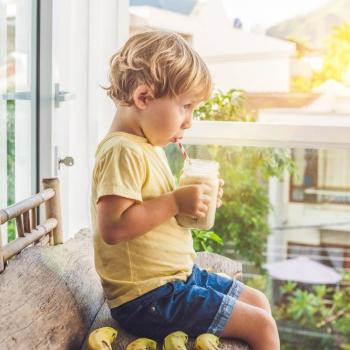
x,y
62,96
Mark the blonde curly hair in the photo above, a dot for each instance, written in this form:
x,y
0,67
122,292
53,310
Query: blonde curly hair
x,y
164,62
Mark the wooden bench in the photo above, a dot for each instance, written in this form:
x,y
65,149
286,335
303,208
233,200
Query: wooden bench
x,y
50,294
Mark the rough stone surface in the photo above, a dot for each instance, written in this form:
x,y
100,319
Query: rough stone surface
x,y
51,297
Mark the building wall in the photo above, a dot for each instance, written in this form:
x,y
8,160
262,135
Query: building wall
x,y
300,214
240,59
305,216
252,75
236,58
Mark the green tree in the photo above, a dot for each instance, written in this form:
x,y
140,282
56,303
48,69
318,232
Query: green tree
x,y
223,106
11,226
336,58
243,218
322,308
302,47
336,63
300,83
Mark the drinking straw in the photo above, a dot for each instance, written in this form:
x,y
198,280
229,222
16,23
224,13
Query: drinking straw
x,y
183,151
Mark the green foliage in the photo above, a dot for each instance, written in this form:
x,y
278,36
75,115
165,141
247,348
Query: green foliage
x,y
321,308
259,282
222,106
11,230
301,46
301,84
11,226
10,152
336,59
205,240
336,64
242,219
288,287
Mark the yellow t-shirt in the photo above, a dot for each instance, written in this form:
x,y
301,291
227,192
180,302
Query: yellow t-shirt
x,y
127,165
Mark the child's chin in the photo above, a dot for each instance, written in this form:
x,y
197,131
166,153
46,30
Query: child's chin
x,y
159,143
170,142
162,143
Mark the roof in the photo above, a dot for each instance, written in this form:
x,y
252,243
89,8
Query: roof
x,y
302,269
180,6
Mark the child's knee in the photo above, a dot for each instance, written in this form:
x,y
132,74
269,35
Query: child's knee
x,y
263,301
254,325
255,297
269,331
265,332
265,335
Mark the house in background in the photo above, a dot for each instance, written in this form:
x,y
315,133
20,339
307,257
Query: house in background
x,y
44,135
313,207
236,58
247,60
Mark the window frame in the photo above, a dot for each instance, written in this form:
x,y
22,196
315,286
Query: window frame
x,y
322,245
268,135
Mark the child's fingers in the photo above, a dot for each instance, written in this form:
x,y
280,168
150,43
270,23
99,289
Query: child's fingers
x,y
202,211
221,182
206,188
220,193
205,199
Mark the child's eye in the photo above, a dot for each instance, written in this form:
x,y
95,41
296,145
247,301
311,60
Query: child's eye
x,y
188,106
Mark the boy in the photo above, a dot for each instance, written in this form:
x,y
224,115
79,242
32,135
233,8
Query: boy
x,y
144,258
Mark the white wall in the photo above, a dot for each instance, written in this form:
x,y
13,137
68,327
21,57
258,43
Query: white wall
x,y
108,30
236,58
215,35
146,17
85,34
251,74
78,127
300,214
240,59
69,122
304,214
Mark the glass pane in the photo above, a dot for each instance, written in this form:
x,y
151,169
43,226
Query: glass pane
x,y
323,176
17,103
286,216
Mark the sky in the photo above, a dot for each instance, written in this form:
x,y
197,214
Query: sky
x,y
269,12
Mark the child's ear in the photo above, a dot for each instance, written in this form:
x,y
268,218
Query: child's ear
x,y
141,96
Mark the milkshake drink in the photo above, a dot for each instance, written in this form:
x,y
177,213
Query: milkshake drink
x,y
199,171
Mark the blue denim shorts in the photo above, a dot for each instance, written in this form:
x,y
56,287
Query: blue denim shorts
x,y
202,304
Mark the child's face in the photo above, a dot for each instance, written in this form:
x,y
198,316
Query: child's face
x,y
165,119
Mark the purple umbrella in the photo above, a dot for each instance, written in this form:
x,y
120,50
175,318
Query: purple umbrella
x,y
303,269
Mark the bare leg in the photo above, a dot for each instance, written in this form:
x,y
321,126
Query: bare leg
x,y
256,298
253,325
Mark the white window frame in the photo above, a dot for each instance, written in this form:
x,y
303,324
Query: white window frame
x,y
268,135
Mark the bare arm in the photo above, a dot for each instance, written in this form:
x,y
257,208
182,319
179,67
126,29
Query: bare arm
x,y
122,219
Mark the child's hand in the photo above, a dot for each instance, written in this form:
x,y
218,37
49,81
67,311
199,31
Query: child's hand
x,y
193,200
220,193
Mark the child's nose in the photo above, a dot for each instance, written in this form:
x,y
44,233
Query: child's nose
x,y
187,124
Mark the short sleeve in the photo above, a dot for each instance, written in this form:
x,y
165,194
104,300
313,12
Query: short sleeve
x,y
120,171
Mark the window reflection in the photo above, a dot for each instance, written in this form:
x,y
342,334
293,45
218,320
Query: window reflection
x,y
323,176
